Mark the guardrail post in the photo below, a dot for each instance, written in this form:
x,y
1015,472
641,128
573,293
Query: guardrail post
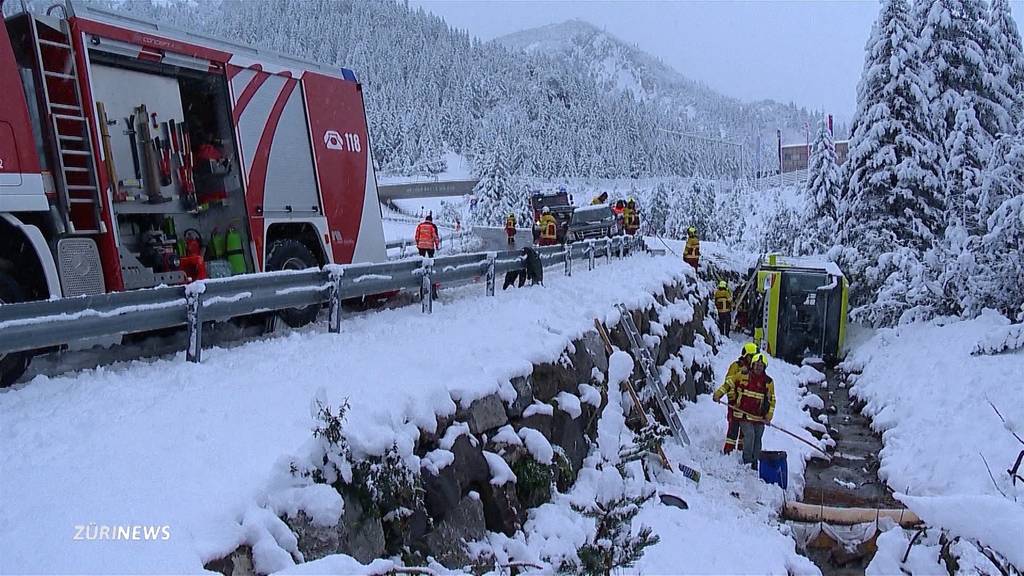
x,y
334,321
490,274
193,314
568,259
427,286
622,247
590,256
608,249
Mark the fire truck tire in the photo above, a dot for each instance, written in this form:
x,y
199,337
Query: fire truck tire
x,y
291,254
12,366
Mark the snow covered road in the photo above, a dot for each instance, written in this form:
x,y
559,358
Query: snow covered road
x,y
190,447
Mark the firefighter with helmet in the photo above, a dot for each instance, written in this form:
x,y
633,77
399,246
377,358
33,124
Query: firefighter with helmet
x,y
723,304
752,403
510,230
599,199
630,217
738,370
548,228
691,253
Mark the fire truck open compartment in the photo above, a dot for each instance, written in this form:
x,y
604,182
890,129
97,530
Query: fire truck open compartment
x,y
152,227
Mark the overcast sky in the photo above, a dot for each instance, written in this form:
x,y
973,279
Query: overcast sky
x,y
806,51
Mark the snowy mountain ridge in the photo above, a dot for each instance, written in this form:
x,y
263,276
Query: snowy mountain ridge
x,y
622,67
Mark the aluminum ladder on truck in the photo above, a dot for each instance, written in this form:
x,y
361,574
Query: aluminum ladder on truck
x,y
643,356
70,137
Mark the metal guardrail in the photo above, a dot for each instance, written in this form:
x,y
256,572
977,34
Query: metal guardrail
x,y
53,323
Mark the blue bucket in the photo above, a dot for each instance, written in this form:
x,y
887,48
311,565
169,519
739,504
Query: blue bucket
x,y
773,469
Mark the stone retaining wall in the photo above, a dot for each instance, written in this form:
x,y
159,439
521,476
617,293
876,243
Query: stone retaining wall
x,y
559,400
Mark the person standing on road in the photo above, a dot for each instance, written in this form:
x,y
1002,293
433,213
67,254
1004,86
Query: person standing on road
x,y
723,303
630,218
510,230
427,238
548,228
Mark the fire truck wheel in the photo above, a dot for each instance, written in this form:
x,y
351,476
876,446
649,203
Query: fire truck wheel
x,y
12,366
293,255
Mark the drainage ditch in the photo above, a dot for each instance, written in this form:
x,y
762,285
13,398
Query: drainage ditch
x,y
844,499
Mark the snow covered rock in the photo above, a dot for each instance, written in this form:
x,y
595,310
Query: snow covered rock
x,y
464,523
470,468
523,386
441,492
359,534
595,350
570,435
484,414
551,378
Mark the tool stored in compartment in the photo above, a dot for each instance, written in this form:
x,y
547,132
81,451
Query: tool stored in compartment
x,y
150,162
108,157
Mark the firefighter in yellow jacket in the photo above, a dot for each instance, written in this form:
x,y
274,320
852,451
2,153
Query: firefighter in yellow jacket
x,y
723,304
737,370
691,253
548,228
752,403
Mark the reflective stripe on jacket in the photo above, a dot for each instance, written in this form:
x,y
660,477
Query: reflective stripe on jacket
x,y
548,227
755,398
723,300
426,236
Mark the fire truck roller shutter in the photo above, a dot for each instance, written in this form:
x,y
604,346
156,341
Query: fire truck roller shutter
x,y
341,148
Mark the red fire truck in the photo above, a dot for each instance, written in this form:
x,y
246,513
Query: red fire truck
x,y
134,155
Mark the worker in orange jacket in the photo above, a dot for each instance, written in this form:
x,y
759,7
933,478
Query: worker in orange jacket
x,y
427,238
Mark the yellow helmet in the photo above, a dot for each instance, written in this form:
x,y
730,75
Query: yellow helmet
x,y
691,231
749,349
759,358
722,284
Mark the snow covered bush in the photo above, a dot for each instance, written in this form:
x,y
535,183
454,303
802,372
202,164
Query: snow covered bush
x,y
613,545
533,481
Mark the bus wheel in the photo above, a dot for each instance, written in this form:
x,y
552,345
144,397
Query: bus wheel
x,y
12,365
293,255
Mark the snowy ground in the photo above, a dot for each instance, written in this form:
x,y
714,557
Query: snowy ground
x,y
192,447
733,509
929,398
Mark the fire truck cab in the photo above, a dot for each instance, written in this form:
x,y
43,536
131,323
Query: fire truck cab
x,y
135,155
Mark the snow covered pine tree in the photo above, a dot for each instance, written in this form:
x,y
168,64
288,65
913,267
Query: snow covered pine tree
x,y
491,206
822,194
893,202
